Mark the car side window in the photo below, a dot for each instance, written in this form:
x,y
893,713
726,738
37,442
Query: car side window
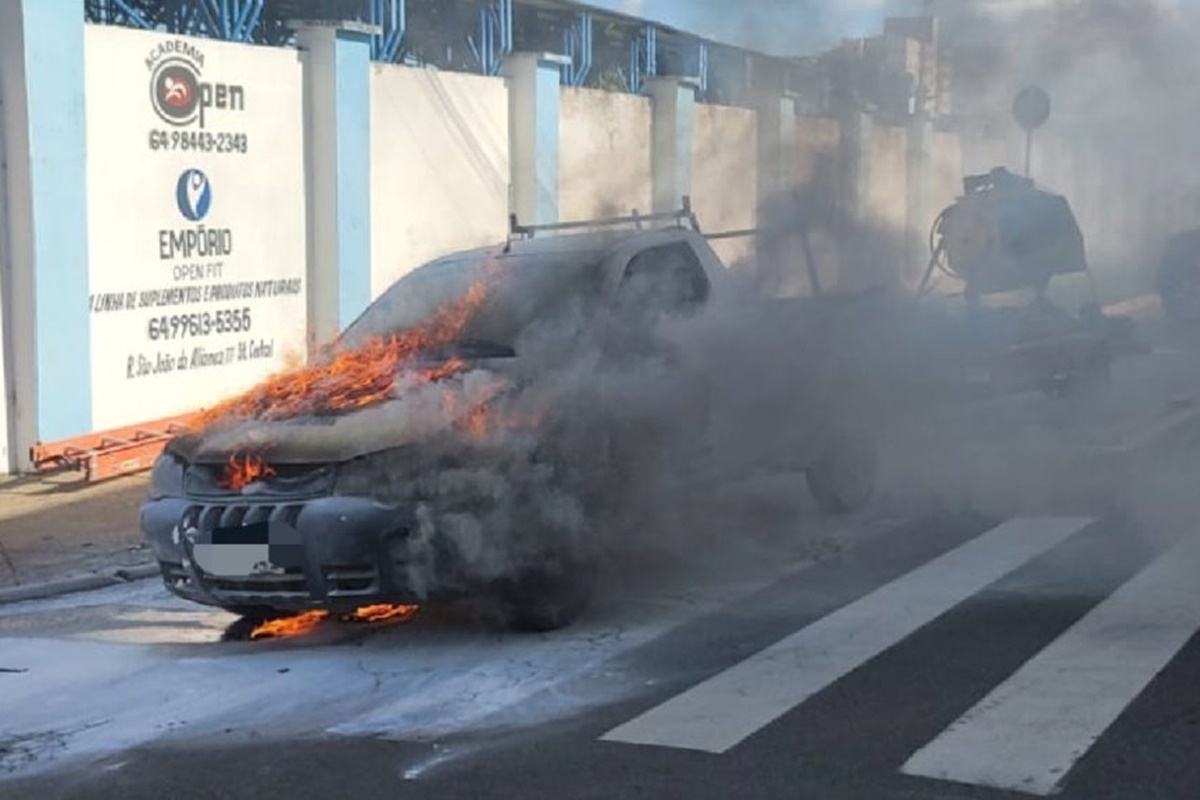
x,y
668,279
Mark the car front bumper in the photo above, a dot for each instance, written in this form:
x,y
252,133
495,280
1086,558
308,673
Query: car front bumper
x,y
332,553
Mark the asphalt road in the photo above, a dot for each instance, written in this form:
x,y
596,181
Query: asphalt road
x,y
1027,628
933,657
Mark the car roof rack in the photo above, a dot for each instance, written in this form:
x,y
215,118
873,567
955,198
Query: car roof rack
x,y
679,216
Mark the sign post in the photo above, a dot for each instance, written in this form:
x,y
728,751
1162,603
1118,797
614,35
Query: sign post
x,y
1031,109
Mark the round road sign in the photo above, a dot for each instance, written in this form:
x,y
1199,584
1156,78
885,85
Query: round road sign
x,y
1031,108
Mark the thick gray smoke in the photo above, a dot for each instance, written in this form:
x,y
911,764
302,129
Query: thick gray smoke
x,y
1119,142
587,452
615,437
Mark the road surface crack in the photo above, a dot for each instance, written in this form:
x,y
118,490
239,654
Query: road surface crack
x,y
374,674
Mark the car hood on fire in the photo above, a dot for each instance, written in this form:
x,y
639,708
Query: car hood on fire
x,y
411,418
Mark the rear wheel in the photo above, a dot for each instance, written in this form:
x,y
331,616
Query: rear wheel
x,y
843,480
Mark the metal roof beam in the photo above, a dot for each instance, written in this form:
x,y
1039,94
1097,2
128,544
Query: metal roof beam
x,y
643,57
392,17
577,45
495,36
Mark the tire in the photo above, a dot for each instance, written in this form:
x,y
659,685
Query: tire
x,y
843,480
249,618
549,597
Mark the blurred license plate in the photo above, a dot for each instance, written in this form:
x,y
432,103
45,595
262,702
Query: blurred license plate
x,y
236,552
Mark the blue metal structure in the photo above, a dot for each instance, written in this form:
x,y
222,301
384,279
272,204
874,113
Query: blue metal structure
x,y
233,20
472,35
495,36
577,46
392,17
643,58
702,67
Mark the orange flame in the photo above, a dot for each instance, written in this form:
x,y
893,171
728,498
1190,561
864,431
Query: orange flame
x,y
476,423
382,612
354,379
307,621
240,474
288,627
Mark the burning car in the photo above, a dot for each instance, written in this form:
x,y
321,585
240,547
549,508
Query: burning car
x,y
431,453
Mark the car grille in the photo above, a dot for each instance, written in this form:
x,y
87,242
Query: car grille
x,y
340,580
345,581
291,583
209,516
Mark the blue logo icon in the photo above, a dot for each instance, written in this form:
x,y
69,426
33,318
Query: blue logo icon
x,y
193,193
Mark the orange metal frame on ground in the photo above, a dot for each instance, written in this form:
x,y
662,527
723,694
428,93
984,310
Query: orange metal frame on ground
x,y
110,454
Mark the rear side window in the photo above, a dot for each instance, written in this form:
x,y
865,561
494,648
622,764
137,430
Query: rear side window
x,y
667,279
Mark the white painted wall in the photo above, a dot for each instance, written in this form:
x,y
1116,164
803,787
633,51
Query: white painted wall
x,y
136,161
440,155
946,151
725,175
887,194
604,154
6,460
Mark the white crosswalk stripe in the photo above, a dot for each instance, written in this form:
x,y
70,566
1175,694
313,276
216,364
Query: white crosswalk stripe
x,y
724,710
1028,733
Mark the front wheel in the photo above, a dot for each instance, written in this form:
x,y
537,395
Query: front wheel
x,y
843,480
549,596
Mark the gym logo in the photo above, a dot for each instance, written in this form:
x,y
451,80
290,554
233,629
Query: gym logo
x,y
193,194
178,92
175,92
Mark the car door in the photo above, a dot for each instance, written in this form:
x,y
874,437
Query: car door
x,y
659,403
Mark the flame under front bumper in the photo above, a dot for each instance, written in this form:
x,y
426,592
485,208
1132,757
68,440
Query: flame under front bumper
x,y
334,553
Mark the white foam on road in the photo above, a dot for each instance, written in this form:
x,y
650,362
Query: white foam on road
x,y
80,696
717,714
1030,731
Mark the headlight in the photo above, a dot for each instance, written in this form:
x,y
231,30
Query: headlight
x,y
166,479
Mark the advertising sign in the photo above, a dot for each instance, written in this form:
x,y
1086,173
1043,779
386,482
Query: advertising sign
x,y
196,220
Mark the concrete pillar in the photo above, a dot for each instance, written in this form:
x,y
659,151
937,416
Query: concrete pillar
x,y
46,282
337,99
856,131
777,157
776,146
672,135
920,212
7,387
533,109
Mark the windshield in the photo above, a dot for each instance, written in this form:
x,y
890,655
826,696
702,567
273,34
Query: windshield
x,y
415,298
518,290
